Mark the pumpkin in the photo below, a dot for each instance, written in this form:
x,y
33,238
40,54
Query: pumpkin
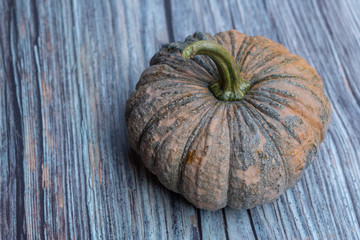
x,y
227,120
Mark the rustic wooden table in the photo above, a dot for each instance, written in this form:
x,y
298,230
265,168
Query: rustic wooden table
x,y
66,70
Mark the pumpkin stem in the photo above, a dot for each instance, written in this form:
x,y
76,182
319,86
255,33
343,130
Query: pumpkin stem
x,y
230,85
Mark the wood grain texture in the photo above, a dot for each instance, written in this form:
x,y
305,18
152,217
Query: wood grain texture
x,y
66,70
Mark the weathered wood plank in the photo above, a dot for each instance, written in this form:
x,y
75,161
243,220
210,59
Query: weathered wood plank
x,y
66,70
23,120
11,173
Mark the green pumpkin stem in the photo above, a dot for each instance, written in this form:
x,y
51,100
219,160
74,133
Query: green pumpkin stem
x,y
230,85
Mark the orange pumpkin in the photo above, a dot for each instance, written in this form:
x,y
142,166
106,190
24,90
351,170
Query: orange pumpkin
x,y
234,126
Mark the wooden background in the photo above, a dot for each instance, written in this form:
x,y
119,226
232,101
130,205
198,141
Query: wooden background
x,y
66,70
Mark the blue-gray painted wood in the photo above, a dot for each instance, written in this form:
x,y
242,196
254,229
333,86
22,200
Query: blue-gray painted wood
x,y
66,168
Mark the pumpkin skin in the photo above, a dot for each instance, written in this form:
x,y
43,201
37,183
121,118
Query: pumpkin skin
x,y
228,153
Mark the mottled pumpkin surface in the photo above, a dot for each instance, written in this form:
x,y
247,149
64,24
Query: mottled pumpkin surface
x,y
228,153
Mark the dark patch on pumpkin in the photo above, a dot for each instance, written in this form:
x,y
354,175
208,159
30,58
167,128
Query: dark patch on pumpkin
x,y
249,52
191,158
192,112
269,133
287,123
242,48
165,111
